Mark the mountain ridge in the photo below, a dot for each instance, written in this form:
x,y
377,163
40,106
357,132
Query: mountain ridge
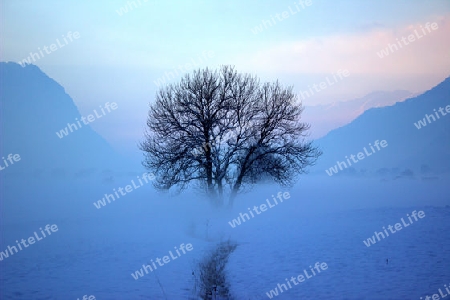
x,y
324,118
407,145
34,107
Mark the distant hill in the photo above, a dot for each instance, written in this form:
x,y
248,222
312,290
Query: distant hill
x,y
33,109
324,118
411,152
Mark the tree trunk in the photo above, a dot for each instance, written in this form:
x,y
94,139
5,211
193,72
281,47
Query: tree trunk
x,y
237,184
235,190
220,190
209,169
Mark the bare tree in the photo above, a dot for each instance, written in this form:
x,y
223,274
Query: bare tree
x,y
242,131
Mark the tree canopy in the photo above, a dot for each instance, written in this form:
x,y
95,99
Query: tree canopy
x,y
224,131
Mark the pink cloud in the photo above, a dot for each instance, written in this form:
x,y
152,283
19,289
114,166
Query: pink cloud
x,y
429,54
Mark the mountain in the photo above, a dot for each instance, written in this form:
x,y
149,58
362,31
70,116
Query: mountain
x,y
34,109
416,132
324,118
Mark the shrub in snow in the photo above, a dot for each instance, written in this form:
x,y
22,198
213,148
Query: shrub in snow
x,y
210,277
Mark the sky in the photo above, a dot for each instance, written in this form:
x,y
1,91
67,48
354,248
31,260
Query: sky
x,y
124,48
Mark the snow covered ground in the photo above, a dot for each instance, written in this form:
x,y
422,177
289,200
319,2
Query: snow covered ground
x,y
95,251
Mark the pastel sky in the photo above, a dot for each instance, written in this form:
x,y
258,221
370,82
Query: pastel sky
x,y
119,55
